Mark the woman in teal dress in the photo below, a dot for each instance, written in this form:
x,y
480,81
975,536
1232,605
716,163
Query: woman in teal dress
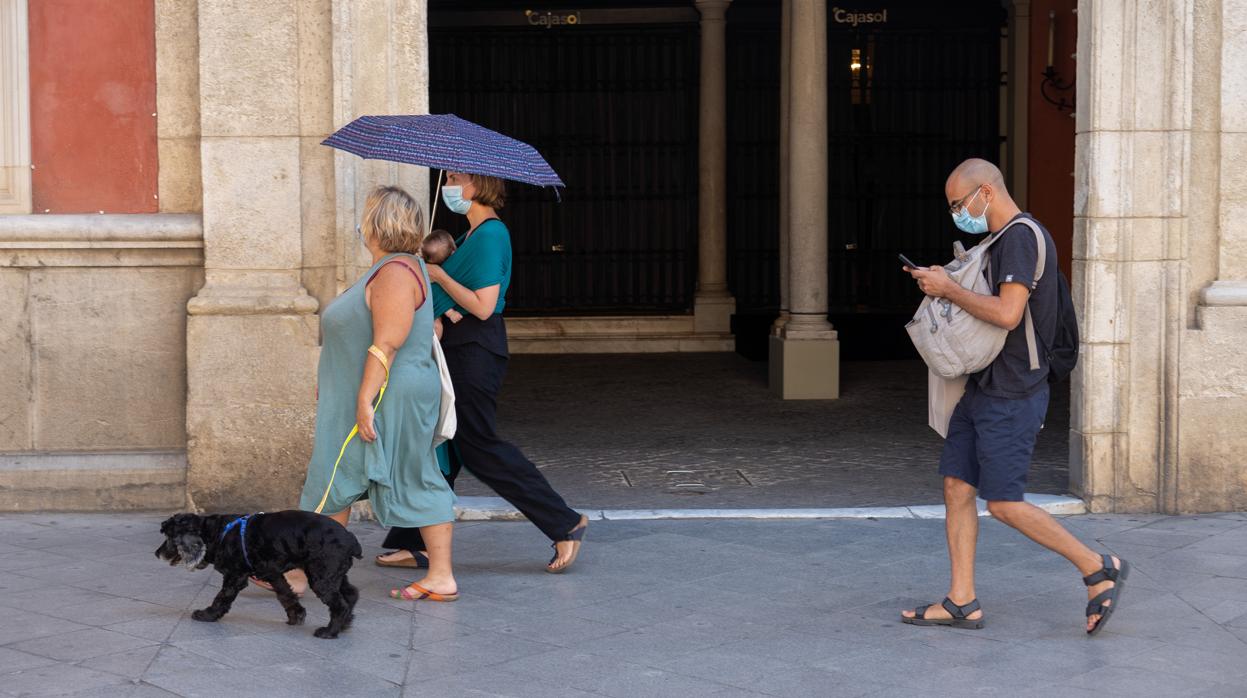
x,y
379,334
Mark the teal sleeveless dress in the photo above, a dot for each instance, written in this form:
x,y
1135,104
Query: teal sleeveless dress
x,y
398,472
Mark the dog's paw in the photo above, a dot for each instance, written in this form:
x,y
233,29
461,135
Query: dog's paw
x,y
205,616
325,633
296,617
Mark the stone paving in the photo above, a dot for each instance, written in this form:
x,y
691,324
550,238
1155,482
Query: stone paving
x,y
703,431
661,608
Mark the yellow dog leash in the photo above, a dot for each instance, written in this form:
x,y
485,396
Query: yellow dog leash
x,y
385,363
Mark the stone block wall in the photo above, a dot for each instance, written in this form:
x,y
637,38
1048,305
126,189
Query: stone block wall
x,y
93,358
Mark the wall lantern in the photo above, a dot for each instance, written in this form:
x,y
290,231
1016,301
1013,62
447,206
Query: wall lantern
x,y
862,72
1051,79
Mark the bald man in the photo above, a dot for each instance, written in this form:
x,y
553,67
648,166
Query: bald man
x,y
992,433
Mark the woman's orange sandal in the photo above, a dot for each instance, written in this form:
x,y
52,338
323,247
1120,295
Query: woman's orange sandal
x,y
415,592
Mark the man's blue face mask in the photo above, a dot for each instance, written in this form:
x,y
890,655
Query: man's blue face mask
x,y
975,225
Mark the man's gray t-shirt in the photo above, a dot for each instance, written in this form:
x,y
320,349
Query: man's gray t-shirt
x,y
1013,259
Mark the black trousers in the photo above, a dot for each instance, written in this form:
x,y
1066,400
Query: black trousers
x,y
477,375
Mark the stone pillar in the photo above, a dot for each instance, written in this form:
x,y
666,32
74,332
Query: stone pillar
x,y
1160,392
713,305
14,109
380,65
805,355
177,106
1212,383
252,334
785,67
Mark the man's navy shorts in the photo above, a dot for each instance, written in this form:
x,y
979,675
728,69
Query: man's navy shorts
x,y
991,440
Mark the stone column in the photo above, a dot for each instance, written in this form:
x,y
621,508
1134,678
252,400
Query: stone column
x,y
14,109
713,305
805,355
1160,392
1212,381
380,65
785,68
252,334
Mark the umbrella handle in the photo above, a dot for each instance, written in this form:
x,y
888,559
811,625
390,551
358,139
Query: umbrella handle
x,y
436,195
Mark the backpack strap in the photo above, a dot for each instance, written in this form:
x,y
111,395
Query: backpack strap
x,y
1032,347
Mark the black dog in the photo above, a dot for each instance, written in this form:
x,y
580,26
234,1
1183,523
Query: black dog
x,y
266,546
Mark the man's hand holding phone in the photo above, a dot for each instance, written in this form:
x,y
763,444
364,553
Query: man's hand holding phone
x,y
909,264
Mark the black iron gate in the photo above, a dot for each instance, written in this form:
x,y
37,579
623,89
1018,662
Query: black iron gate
x,y
908,100
613,106
614,109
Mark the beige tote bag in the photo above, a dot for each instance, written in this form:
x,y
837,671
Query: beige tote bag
x,y
943,394
447,422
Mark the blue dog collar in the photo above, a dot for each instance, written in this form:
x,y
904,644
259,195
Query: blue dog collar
x,y
241,524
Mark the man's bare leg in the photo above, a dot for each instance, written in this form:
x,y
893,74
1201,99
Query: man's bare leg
x,y
961,526
1039,526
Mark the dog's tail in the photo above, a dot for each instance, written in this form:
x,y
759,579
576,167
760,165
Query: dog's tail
x,y
357,551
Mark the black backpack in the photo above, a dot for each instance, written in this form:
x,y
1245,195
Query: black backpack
x,y
1063,354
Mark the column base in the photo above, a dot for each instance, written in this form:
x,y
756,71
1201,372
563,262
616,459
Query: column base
x,y
777,328
712,314
251,398
805,369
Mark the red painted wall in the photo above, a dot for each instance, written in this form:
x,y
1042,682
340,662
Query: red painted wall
x,y
1050,156
92,96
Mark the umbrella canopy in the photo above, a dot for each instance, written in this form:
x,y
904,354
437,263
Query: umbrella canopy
x,y
444,142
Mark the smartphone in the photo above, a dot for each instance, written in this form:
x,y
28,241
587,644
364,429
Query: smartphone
x,y
908,262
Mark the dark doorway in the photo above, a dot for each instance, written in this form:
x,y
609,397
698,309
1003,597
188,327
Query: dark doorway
x,y
910,94
610,98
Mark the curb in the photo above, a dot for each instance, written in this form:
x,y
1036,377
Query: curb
x,y
497,509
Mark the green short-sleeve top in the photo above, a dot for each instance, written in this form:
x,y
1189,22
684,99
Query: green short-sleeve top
x,y
483,258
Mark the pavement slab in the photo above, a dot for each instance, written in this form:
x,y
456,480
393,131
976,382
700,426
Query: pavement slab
x,y
652,608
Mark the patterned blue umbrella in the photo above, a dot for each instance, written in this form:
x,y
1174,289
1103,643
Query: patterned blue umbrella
x,y
444,142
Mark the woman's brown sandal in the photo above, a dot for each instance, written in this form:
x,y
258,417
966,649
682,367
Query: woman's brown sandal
x,y
577,536
416,561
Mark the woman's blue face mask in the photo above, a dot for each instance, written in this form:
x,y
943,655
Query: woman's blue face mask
x,y
452,196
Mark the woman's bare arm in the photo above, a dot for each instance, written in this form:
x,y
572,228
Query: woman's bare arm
x,y
480,302
393,297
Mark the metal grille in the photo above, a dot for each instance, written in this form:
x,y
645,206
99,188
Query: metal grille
x,y
614,110
923,99
926,95
753,160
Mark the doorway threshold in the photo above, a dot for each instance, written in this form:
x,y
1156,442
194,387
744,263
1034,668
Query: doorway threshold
x,y
497,509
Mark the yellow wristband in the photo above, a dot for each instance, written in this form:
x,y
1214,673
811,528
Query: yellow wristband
x,y
385,363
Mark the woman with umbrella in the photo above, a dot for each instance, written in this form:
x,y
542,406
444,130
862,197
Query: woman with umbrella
x,y
474,282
